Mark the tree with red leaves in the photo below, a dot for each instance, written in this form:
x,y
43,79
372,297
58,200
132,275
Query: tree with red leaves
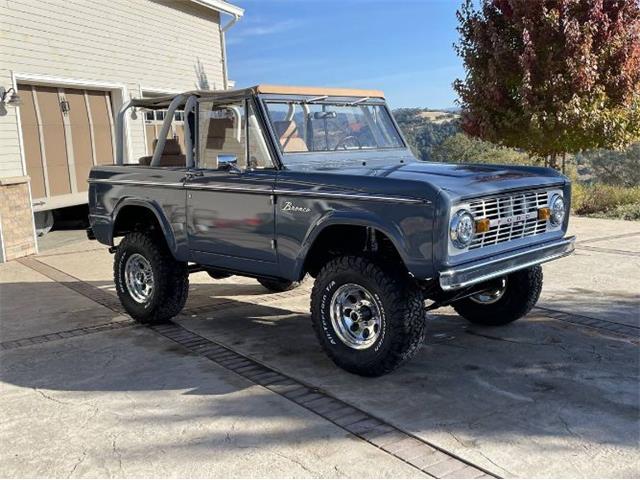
x,y
551,76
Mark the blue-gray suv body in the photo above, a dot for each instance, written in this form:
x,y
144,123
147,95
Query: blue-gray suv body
x,y
277,183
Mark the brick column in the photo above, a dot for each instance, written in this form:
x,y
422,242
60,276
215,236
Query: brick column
x,y
16,219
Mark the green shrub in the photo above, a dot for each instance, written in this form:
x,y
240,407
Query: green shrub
x,y
600,199
630,211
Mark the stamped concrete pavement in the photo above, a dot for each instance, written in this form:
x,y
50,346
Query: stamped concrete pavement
x,y
554,395
129,403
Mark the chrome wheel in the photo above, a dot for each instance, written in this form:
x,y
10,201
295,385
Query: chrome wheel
x,y
355,316
492,295
138,276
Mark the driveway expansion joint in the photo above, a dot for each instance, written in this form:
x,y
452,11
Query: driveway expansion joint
x,y
394,441
62,335
613,328
433,460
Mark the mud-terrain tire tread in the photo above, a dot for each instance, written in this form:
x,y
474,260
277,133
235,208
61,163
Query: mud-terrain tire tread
x,y
278,286
171,287
404,312
523,292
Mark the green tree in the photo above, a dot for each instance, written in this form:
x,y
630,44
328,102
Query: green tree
x,y
620,168
551,76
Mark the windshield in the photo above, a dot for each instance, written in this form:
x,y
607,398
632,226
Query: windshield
x,y
326,127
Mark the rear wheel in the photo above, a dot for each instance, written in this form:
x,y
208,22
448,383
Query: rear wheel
x,y
152,286
369,318
278,285
508,300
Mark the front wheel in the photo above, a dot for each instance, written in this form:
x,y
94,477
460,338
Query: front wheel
x,y
368,317
506,301
151,284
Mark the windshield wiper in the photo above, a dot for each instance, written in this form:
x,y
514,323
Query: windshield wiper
x,y
315,99
356,102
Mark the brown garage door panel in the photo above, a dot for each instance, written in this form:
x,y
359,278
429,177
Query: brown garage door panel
x,y
101,126
31,142
180,134
81,136
55,146
150,131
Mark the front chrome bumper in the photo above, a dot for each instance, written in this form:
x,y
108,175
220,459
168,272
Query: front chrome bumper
x,y
482,270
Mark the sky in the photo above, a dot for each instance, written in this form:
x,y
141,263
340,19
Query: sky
x,y
403,47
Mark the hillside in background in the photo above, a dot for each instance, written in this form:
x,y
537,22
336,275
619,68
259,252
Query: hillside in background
x,y
435,135
424,129
606,183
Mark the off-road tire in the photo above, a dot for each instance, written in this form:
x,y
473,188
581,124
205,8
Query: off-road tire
x,y
171,279
403,316
522,292
278,286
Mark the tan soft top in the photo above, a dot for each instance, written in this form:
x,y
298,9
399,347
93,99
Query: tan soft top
x,y
332,92
164,101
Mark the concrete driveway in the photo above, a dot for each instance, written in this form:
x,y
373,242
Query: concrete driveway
x,y
238,386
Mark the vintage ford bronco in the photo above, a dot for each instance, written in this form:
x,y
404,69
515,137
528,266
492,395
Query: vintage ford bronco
x,y
277,183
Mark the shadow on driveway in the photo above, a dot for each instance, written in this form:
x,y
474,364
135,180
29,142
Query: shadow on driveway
x,y
538,397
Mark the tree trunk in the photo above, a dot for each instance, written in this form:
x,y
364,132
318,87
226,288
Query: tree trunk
x,y
553,161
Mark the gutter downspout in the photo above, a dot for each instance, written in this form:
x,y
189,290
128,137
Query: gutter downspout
x,y
223,30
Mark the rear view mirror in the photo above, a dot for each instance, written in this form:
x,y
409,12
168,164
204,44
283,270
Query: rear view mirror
x,y
228,161
323,115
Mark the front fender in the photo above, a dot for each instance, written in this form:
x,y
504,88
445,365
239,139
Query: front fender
x,y
350,218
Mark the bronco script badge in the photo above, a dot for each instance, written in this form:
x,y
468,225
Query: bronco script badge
x,y
290,207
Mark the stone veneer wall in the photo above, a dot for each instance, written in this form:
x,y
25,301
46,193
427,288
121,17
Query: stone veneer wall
x,y
16,218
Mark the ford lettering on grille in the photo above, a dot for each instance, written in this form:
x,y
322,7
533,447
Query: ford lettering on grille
x,y
511,216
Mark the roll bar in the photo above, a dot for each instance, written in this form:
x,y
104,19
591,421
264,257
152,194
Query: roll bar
x,y
190,106
120,131
162,136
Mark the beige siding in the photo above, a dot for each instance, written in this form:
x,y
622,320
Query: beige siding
x,y
140,44
10,163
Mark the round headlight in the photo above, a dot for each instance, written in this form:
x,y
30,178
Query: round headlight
x,y
462,229
558,210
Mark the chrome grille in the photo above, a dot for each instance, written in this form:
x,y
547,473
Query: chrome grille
x,y
499,209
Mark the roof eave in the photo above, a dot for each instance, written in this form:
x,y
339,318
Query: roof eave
x,y
222,6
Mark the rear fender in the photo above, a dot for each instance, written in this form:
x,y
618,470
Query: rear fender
x,y
156,209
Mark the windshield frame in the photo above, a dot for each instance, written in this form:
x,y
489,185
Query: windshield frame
x,y
264,99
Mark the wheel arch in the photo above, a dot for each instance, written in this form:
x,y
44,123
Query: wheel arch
x,y
127,207
346,224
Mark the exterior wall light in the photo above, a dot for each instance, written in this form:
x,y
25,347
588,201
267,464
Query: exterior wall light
x,y
8,98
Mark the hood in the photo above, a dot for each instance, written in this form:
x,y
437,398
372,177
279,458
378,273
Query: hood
x,y
472,180
407,176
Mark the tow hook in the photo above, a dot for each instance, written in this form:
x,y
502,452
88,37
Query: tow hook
x,y
112,250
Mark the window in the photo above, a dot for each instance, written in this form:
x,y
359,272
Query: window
x,y
259,155
222,141
326,126
154,119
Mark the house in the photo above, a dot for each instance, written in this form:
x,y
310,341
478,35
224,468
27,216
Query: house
x,y
66,66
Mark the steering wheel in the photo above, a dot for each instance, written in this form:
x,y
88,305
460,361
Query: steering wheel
x,y
343,142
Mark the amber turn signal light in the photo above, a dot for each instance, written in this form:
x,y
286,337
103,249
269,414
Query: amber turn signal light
x,y
544,213
482,225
